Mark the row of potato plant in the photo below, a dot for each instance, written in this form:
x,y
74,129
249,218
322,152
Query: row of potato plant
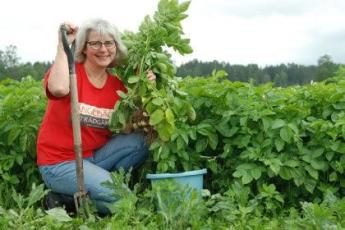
x,y
22,104
173,206
291,138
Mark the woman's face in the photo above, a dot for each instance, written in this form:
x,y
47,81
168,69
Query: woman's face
x,y
100,49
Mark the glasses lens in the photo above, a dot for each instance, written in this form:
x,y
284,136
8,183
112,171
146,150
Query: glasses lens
x,y
109,44
95,44
98,44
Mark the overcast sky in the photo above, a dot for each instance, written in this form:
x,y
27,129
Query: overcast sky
x,y
265,32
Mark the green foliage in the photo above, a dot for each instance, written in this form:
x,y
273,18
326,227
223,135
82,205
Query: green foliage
x,y
178,206
172,206
275,158
23,214
162,99
168,205
22,106
288,139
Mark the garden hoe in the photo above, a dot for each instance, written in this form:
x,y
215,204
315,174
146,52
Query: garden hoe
x,y
80,197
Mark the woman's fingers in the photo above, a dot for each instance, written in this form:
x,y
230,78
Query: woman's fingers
x,y
150,75
71,31
70,27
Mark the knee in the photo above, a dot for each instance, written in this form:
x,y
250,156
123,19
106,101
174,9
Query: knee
x,y
137,141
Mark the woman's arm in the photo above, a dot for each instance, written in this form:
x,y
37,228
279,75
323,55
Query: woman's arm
x,y
58,81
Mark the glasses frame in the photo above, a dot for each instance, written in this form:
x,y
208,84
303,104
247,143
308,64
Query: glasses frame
x,y
96,45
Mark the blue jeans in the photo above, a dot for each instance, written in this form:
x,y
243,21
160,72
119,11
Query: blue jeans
x,y
122,151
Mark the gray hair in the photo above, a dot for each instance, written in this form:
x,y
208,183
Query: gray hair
x,y
102,27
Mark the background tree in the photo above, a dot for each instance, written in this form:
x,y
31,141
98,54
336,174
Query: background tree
x,y
281,75
11,67
326,68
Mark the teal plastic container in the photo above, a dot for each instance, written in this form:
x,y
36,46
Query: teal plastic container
x,y
194,178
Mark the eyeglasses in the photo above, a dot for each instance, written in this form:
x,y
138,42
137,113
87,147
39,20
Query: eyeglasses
x,y
96,45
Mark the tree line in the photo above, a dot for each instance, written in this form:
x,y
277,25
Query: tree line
x,y
281,75
11,67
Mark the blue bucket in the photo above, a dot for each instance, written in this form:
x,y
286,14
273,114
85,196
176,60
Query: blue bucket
x,y
193,178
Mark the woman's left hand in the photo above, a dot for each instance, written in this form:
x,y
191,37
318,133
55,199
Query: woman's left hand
x,y
150,75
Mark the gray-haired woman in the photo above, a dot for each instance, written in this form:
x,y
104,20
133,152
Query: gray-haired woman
x,y
98,47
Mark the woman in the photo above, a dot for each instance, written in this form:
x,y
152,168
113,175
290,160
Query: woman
x,y
98,47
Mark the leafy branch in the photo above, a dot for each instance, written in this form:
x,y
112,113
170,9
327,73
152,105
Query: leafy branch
x,y
147,50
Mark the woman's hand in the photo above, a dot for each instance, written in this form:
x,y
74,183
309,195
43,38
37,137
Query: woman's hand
x,y
150,75
71,30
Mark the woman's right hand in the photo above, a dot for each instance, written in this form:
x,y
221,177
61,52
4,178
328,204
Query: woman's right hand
x,y
71,32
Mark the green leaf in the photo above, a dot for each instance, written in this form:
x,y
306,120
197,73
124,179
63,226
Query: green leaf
x,y
185,137
317,152
191,113
184,6
247,178
13,135
133,79
278,123
213,140
200,145
162,66
275,166
319,165
310,184
279,144
285,173
192,134
238,173
312,172
165,130
338,147
333,177
244,175
212,164
142,90
298,175
13,179
204,129
59,214
329,156
164,154
225,130
162,167
285,135
256,173
156,117
184,156
23,142
121,94
291,163
266,123
158,101
121,118
171,164
169,116
19,159
180,143
36,194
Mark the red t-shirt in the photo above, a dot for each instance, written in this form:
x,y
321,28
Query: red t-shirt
x,y
55,137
